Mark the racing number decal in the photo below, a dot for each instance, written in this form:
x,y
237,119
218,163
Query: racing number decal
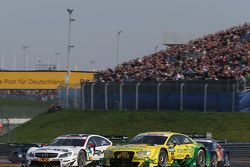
x,y
98,152
94,151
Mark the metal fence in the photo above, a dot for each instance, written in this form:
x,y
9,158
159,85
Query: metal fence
x,y
69,97
172,95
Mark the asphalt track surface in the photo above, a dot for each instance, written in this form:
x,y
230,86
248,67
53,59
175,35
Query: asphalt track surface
x,y
235,162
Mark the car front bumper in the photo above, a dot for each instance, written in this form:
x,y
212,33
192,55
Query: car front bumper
x,y
52,162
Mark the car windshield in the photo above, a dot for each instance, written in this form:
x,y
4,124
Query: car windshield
x,y
67,142
147,139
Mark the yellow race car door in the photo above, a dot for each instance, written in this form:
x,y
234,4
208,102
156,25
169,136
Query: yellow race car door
x,y
177,149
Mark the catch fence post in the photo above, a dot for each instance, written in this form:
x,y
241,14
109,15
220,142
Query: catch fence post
x,y
205,98
237,85
233,98
158,96
137,95
83,95
106,95
75,97
60,96
67,95
121,96
181,96
92,96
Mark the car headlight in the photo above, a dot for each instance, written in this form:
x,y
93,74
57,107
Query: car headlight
x,y
143,153
31,154
65,155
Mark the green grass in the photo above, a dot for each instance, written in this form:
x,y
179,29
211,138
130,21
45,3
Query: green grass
x,y
43,128
14,108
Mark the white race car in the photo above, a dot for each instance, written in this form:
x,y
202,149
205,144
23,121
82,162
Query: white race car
x,y
69,150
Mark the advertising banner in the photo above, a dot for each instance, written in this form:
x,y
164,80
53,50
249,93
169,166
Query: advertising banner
x,y
41,79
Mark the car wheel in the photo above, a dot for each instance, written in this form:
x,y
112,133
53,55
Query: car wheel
x,y
200,158
81,159
162,158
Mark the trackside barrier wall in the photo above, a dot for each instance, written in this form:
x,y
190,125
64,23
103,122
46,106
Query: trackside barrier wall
x,y
200,96
235,149
172,95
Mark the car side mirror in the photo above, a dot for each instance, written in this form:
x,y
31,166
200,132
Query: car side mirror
x,y
91,146
172,144
44,144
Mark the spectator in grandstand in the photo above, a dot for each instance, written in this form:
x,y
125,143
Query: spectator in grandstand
x,y
223,55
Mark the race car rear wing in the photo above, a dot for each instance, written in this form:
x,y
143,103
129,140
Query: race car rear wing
x,y
207,135
117,139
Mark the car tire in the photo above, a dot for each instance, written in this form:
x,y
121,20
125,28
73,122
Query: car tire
x,y
201,158
81,159
162,158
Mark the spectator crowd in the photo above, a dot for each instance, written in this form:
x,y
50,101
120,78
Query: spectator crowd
x,y
223,55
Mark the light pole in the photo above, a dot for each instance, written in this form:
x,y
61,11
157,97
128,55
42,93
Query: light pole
x,y
24,57
14,62
92,62
118,40
57,61
69,46
2,61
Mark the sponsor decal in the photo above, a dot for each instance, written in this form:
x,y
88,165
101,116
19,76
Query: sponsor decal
x,y
156,134
44,159
124,155
171,149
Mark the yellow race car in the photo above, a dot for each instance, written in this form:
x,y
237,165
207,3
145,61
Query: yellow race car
x,y
157,149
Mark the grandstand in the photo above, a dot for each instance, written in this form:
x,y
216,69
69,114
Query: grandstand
x,y
224,55
220,56
208,73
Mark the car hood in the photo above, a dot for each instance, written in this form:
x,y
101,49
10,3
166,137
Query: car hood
x,y
132,147
55,149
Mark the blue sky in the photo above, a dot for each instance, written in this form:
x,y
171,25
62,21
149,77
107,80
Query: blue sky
x,y
42,25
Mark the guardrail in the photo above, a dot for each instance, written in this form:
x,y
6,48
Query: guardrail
x,y
235,149
238,149
5,149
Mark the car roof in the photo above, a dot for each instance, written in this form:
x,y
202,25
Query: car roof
x,y
77,136
166,134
